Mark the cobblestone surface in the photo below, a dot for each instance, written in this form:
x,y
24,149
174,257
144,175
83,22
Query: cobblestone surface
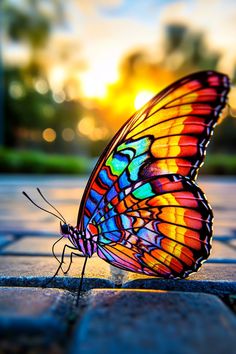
x,y
26,264
36,318
154,322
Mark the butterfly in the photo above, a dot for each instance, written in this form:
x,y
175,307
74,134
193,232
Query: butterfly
x,y
142,210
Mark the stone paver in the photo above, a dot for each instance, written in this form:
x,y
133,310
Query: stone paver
x,y
222,251
33,246
5,240
36,271
19,214
34,318
154,322
219,279
233,243
222,232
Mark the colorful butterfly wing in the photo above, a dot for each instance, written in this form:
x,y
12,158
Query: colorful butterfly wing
x,y
168,135
160,226
141,203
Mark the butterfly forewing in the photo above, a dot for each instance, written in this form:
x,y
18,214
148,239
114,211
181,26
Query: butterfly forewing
x,y
171,236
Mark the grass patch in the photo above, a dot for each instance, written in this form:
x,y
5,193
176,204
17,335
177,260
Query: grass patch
x,y
219,164
13,161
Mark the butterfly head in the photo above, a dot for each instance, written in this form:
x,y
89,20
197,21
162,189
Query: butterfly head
x,y
65,229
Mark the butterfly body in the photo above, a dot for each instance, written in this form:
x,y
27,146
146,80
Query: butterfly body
x,y
86,243
142,210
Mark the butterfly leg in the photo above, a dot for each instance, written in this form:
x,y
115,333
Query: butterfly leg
x,y
71,260
81,281
60,265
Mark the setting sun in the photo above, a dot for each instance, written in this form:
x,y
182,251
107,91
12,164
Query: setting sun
x,y
95,80
142,98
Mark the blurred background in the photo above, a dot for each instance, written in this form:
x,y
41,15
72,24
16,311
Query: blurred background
x,y
72,72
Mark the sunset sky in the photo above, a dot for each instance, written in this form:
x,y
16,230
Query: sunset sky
x,y
100,32
107,29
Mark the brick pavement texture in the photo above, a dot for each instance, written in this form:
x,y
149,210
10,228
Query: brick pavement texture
x,y
135,322
129,313
34,318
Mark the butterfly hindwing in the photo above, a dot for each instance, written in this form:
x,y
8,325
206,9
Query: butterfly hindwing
x,y
161,226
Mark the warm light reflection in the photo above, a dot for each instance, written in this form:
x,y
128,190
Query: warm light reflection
x,y
57,76
59,96
99,134
87,126
68,134
142,98
16,90
41,86
49,135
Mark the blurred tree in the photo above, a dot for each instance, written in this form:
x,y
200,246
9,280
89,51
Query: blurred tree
x,y
30,105
31,21
185,51
28,111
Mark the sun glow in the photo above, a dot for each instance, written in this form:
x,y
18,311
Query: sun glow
x,y
56,78
95,81
142,98
92,86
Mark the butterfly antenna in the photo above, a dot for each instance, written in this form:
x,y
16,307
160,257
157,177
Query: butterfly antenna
x,y
44,198
81,281
47,211
53,247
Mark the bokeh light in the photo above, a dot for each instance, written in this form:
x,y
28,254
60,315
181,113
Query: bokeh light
x,y
86,125
16,90
68,134
49,135
41,86
56,77
59,96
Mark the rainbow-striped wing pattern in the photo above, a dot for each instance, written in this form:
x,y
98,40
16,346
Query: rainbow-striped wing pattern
x,y
141,204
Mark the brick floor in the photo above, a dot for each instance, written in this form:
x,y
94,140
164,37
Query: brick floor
x,y
26,263
120,321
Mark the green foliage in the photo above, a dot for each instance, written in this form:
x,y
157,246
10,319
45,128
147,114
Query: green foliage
x,y
187,51
223,140
13,161
219,164
32,110
28,22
